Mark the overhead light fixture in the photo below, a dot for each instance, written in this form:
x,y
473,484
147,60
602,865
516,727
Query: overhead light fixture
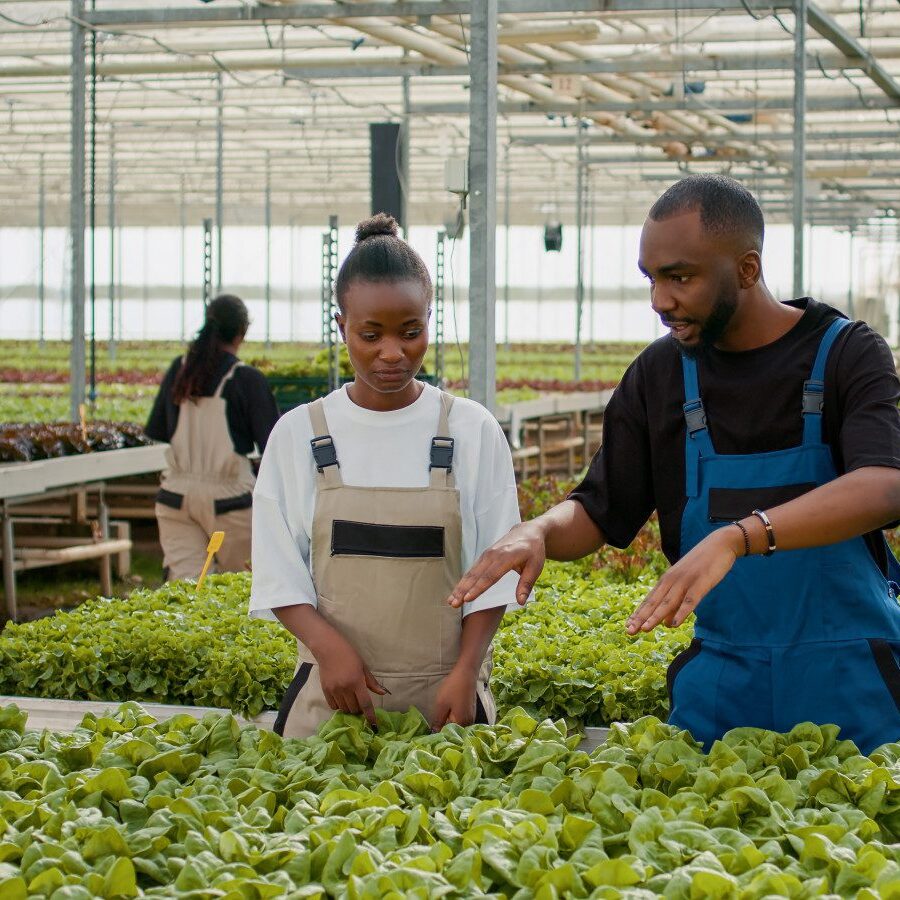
x,y
553,237
688,87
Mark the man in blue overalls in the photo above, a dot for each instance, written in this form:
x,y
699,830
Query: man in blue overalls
x,y
766,435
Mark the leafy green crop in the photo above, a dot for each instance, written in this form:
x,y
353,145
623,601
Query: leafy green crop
x,y
171,645
129,807
567,654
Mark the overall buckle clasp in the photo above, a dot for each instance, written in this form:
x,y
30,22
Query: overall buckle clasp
x,y
324,452
441,453
694,417
813,397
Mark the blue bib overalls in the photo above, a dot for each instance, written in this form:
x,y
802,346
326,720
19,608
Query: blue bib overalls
x,y
803,635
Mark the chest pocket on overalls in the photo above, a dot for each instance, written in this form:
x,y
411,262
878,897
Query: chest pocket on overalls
x,y
386,541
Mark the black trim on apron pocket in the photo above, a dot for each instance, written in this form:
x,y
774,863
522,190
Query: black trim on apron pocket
x,y
679,663
169,498
887,666
393,541
730,504
230,504
290,697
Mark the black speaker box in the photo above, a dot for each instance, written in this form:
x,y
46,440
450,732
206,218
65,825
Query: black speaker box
x,y
387,194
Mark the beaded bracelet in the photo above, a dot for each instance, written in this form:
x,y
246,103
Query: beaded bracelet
x,y
746,537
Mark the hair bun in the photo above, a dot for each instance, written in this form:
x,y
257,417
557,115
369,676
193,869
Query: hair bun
x,y
379,224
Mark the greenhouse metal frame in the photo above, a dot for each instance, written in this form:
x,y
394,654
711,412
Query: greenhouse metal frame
x,y
252,113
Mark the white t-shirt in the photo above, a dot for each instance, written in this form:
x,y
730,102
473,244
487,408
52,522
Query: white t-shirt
x,y
377,449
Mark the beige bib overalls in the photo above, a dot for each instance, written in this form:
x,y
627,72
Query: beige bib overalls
x,y
207,487
384,560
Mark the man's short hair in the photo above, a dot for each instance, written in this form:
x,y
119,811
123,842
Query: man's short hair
x,y
726,207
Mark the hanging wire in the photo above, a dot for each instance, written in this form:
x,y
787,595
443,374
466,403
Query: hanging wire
x,y
465,40
22,24
93,29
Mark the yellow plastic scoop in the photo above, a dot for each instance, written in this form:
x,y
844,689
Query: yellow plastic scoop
x,y
212,548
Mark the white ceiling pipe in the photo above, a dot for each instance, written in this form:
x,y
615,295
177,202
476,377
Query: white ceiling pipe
x,y
621,124
663,121
522,84
594,85
585,30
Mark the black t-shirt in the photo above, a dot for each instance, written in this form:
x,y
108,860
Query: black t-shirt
x,y
752,402
250,408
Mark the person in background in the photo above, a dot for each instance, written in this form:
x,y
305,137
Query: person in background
x,y
370,504
213,411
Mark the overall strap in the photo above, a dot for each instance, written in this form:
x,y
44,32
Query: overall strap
x,y
323,449
228,376
697,441
814,388
440,468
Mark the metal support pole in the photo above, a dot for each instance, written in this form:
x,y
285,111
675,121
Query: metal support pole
x,y
850,262
329,326
404,157
112,245
579,251
592,280
220,134
439,280
92,209
268,215
76,213
483,200
207,261
335,335
183,215
799,156
506,248
120,293
291,251
145,287
539,294
65,291
42,229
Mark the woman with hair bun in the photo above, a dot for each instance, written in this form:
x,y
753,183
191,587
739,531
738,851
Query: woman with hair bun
x,y
212,410
369,506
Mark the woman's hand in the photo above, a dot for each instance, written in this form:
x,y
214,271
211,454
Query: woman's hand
x,y
346,681
681,588
455,701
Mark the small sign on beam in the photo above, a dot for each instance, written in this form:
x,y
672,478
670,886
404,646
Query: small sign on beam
x,y
568,85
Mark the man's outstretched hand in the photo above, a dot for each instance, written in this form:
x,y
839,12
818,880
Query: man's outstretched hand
x,y
521,550
680,590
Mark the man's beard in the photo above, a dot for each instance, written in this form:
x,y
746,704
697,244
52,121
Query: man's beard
x,y
716,324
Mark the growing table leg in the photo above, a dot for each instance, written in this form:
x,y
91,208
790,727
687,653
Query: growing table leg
x,y
105,560
9,572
